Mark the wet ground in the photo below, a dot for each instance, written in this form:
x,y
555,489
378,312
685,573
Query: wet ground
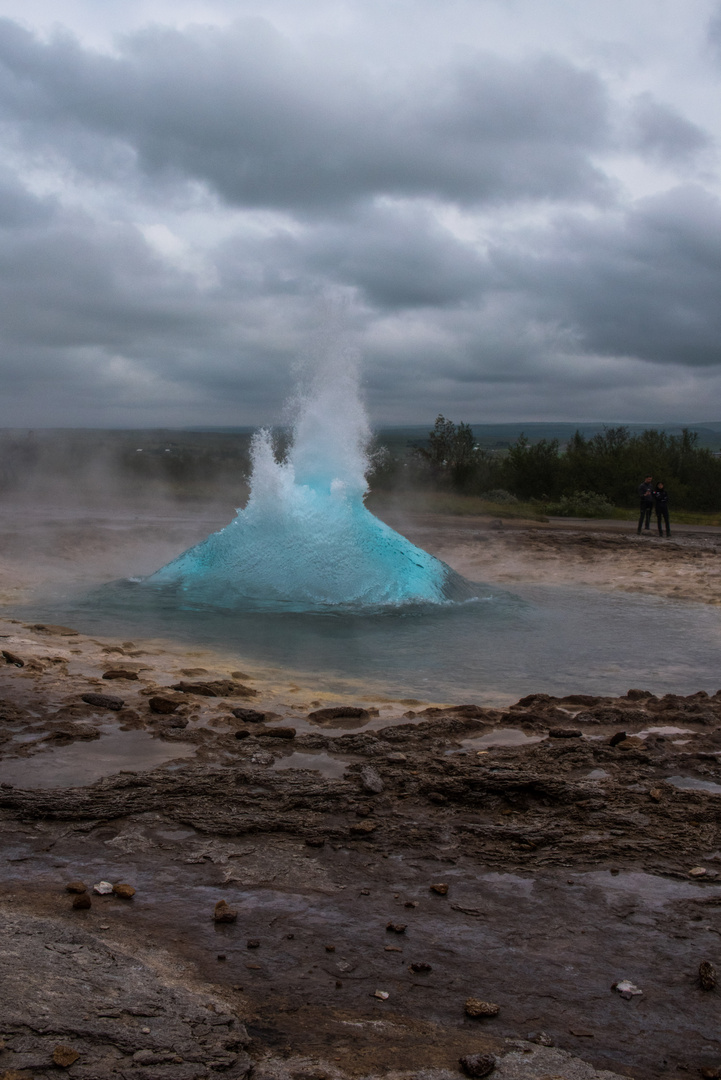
x,y
531,856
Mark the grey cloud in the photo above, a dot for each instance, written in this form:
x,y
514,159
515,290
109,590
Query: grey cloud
x,y
644,286
265,125
659,132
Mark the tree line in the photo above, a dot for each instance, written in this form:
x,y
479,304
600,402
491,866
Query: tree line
x,y
609,466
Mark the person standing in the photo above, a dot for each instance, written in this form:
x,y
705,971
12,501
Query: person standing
x,y
645,494
660,502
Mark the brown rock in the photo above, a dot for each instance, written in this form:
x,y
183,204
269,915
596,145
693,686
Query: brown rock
x,y
224,913
711,1074
315,841
656,794
338,712
476,1007
11,658
160,704
82,902
330,948
127,892
239,675
477,1065
617,738
104,701
215,688
252,943
363,828
276,733
707,975
50,628
243,733
631,743
249,716
121,673
441,888
419,967
396,928
15,1074
65,1056
564,733
76,887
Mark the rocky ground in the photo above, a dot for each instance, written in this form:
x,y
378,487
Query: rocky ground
x,y
381,866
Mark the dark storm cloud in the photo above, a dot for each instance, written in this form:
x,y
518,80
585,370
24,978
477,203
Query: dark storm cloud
x,y
659,132
265,124
644,285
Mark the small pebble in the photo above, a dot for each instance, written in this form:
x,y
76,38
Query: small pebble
x,y
76,887
476,1007
420,966
698,871
382,994
82,902
253,943
477,1065
441,888
64,1056
330,948
127,892
396,928
103,888
707,975
224,913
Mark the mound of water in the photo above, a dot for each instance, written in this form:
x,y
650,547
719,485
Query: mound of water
x,y
305,539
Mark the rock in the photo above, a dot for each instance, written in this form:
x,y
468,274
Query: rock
x,y
215,688
656,794
396,928
617,738
224,913
626,989
252,943
338,712
370,780
104,701
419,967
276,733
65,1056
249,716
476,1065
631,743
81,902
11,658
541,1038
392,948
707,975
76,887
711,1074
698,871
382,994
363,828
411,903
121,673
50,628
396,759
242,733
127,892
103,888
239,675
440,887
315,841
564,733
638,695
160,704
330,948
476,1007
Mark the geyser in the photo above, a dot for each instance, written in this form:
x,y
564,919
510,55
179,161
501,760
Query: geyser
x,y
305,539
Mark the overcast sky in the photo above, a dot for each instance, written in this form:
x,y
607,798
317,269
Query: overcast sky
x,y
514,204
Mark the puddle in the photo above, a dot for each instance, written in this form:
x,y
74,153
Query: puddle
x,y
502,737
322,763
83,763
690,783
597,774
665,731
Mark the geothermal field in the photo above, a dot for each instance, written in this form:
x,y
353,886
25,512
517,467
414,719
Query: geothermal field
x,y
317,795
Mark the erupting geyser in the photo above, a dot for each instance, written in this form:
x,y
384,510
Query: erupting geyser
x,y
305,539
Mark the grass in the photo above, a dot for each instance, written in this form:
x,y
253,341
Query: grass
x,y
442,502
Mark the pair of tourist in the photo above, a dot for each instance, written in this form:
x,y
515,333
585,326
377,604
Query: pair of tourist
x,y
653,499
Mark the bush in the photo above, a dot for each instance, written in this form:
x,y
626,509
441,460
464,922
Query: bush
x,y
586,504
499,496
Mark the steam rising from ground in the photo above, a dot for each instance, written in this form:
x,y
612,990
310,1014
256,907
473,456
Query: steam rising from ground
x,y
305,538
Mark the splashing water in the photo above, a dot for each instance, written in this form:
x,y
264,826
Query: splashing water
x,y
305,539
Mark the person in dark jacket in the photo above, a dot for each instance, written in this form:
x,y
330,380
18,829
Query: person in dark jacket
x,y
660,502
645,494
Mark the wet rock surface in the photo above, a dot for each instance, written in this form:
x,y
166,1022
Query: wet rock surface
x,y
529,879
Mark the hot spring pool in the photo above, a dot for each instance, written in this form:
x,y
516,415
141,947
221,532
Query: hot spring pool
x,y
556,640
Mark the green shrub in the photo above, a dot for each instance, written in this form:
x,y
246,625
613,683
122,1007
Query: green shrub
x,y
498,495
586,504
